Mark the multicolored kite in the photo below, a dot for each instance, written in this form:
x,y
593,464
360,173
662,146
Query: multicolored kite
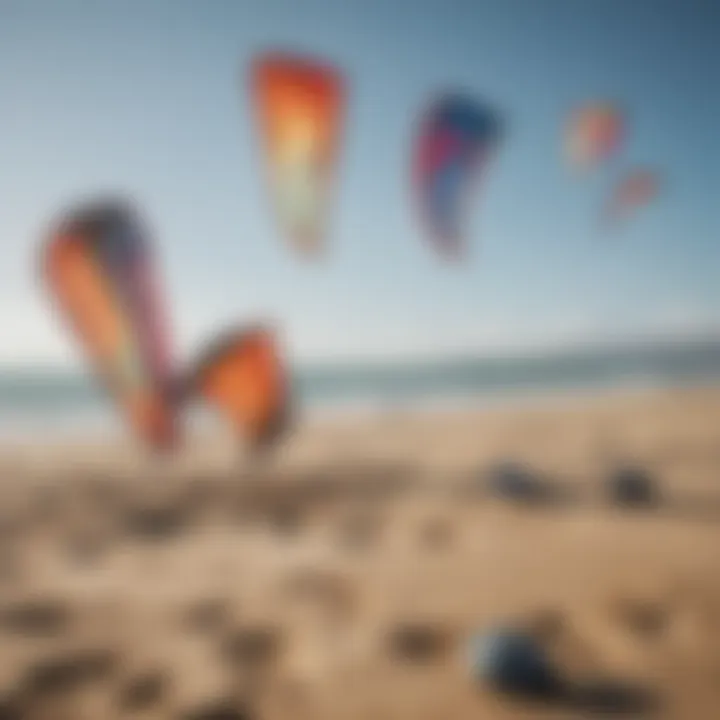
x,y
99,269
457,137
637,188
593,133
300,105
242,375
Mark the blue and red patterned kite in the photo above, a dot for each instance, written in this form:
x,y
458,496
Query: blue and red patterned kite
x,y
456,139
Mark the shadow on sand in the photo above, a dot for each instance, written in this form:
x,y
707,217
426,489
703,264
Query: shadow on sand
x,y
608,697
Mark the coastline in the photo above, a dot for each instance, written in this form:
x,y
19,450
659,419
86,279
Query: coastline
x,y
44,402
102,426
608,418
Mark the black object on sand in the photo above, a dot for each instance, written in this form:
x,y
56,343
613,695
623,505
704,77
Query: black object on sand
x,y
510,661
514,481
634,487
515,663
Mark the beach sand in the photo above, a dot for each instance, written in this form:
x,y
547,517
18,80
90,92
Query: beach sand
x,y
344,578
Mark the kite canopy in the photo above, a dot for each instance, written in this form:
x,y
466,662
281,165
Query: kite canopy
x,y
636,189
242,375
457,136
593,133
98,267
299,105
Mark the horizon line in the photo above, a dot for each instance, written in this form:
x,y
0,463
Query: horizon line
x,y
501,351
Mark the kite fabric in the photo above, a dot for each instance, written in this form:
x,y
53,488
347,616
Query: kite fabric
x,y
98,268
243,377
457,137
593,133
637,188
299,104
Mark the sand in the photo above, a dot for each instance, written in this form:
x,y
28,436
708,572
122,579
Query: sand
x,y
344,578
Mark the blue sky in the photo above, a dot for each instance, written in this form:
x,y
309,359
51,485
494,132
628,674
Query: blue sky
x,y
148,97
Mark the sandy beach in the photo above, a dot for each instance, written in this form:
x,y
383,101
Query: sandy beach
x,y
345,577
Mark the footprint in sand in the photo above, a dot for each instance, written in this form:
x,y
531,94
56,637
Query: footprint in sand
x,y
418,642
49,503
11,567
207,615
319,606
360,530
218,710
156,523
326,592
253,647
87,549
644,618
285,520
142,692
547,625
436,533
63,672
36,617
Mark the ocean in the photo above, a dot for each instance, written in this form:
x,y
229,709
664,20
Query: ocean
x,y
33,402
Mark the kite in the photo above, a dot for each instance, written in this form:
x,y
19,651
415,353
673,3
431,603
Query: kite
x,y
593,133
457,136
241,374
636,189
300,106
99,270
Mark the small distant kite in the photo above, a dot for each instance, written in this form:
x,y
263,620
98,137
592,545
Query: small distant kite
x,y
636,189
457,137
300,106
243,377
98,266
593,134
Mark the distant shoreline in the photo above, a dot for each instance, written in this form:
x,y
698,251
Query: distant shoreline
x,y
113,433
48,404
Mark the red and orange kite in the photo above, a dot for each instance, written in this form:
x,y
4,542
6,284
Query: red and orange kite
x,y
98,267
242,376
299,105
